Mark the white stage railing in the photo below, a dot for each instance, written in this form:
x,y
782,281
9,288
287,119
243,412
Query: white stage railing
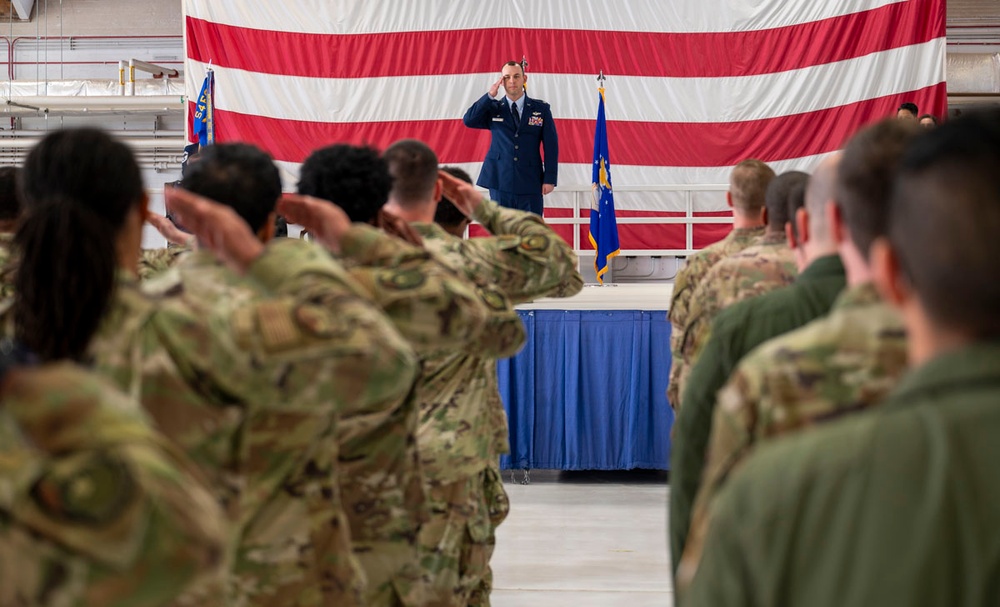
x,y
582,202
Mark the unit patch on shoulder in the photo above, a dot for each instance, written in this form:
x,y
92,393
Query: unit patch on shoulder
x,y
535,243
401,279
493,299
91,492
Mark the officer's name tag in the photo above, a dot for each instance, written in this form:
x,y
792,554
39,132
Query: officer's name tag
x,y
498,119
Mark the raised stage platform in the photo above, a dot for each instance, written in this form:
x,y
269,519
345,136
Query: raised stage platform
x,y
587,392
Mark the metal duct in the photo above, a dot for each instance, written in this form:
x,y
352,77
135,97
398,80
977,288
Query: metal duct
x,y
973,73
166,144
23,8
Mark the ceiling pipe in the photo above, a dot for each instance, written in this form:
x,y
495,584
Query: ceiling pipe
x,y
165,134
168,144
156,70
94,104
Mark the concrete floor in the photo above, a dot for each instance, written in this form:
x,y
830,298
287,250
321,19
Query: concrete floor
x,y
591,539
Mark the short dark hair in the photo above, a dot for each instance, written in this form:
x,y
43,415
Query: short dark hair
x,y
748,183
865,177
776,197
513,63
238,175
414,169
447,214
931,116
944,220
910,107
355,178
10,193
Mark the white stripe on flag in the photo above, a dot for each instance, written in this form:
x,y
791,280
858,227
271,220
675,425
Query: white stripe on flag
x,y
354,17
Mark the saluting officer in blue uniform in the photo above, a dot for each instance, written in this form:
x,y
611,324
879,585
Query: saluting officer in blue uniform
x,y
513,169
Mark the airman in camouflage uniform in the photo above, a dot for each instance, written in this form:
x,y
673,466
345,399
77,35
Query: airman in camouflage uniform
x,y
463,426
747,184
756,270
688,279
384,540
766,265
95,507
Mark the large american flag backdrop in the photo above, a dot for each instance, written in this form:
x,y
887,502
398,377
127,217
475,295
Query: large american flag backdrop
x,y
693,86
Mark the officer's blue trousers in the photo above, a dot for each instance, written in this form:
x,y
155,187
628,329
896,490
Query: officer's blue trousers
x,y
521,202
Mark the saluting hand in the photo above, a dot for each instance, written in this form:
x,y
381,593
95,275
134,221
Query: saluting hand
x,y
168,230
325,221
218,228
495,89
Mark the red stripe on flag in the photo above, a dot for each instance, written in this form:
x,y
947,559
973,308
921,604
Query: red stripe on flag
x,y
553,51
633,142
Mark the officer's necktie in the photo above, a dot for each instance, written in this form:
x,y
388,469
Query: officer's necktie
x,y
517,116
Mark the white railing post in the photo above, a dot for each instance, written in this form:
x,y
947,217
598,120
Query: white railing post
x,y
689,215
577,222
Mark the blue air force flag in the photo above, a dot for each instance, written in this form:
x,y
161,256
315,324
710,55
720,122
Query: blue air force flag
x,y
603,225
203,122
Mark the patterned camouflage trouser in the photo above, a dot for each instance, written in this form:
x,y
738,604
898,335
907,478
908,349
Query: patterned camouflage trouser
x,y
394,577
457,542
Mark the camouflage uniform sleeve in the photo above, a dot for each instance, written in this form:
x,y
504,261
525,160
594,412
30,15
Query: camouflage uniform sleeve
x,y
111,506
527,259
322,309
153,262
431,306
677,315
504,334
702,309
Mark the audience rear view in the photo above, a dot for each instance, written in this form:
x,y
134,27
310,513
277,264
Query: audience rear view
x,y
849,461
312,422
286,399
